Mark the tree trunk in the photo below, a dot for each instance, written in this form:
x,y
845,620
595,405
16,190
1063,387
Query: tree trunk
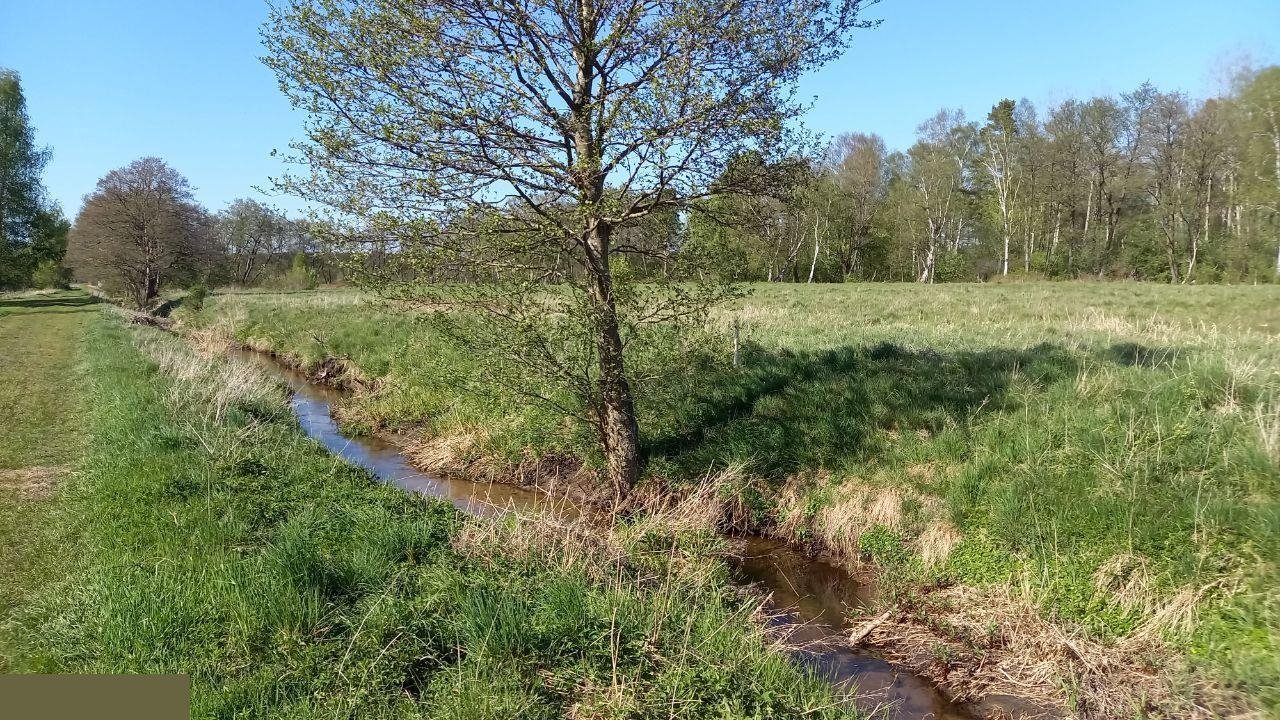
x,y
618,429
1004,258
1057,231
930,258
1170,243
1195,244
813,266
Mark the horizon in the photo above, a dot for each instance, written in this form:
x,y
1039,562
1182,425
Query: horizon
x,y
150,79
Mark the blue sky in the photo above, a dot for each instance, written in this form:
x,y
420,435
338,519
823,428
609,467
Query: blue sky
x,y
108,81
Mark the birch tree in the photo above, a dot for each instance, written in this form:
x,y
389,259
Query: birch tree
x,y
999,158
859,170
252,236
938,166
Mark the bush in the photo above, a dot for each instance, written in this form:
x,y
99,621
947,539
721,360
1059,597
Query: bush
x,y
299,276
196,296
51,274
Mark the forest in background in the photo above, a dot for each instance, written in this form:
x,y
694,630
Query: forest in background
x,y
1150,185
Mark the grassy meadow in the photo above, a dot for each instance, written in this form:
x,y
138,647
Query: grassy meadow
x,y
199,531
1106,453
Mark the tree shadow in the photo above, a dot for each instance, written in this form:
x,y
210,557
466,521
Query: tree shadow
x,y
1131,354
166,308
784,411
63,303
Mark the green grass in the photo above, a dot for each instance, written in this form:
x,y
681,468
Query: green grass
x,y
212,538
1108,447
40,344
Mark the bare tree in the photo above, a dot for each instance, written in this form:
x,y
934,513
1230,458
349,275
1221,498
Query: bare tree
x,y
252,235
1166,155
139,229
488,139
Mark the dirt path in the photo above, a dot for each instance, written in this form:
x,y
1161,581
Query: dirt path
x,y
40,339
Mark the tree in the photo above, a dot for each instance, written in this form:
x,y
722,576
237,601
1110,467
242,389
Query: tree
x,y
1260,98
1168,184
859,170
251,235
999,145
487,140
939,167
22,204
140,229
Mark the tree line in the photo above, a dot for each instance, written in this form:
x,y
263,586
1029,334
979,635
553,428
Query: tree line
x,y
141,230
1150,185
33,232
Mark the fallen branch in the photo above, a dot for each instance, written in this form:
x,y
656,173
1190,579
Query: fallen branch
x,y
149,320
861,633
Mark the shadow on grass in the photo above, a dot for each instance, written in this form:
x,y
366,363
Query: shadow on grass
x,y
787,411
1132,354
57,303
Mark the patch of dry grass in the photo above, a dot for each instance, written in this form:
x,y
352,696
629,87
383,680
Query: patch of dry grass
x,y
994,642
33,483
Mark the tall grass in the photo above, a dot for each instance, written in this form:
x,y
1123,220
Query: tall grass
x,y
204,534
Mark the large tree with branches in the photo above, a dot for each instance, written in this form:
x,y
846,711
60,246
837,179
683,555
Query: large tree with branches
x,y
140,229
506,142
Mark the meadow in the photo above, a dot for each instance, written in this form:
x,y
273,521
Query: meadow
x,y
197,530
1105,454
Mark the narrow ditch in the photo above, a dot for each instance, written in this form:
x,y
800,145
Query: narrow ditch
x,y
810,598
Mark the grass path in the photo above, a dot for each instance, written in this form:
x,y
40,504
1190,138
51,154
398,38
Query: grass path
x,y
40,337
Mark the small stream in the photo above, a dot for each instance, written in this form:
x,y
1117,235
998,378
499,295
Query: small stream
x,y
810,598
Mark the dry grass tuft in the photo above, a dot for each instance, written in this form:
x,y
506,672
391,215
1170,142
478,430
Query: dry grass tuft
x,y
885,509
937,541
840,524
453,454
1128,579
856,509
1176,615
701,509
545,537
33,483
793,507
1267,420
208,386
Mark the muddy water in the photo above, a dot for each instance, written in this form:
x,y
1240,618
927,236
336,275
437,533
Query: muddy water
x,y
810,598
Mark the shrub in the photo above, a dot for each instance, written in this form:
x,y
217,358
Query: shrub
x,y
196,296
299,276
51,274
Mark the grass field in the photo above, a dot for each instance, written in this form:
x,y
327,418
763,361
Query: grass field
x,y
209,536
1109,452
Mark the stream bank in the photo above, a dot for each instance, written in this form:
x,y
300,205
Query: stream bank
x,y
810,598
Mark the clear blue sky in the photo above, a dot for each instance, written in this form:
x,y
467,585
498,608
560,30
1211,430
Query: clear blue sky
x,y
111,81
